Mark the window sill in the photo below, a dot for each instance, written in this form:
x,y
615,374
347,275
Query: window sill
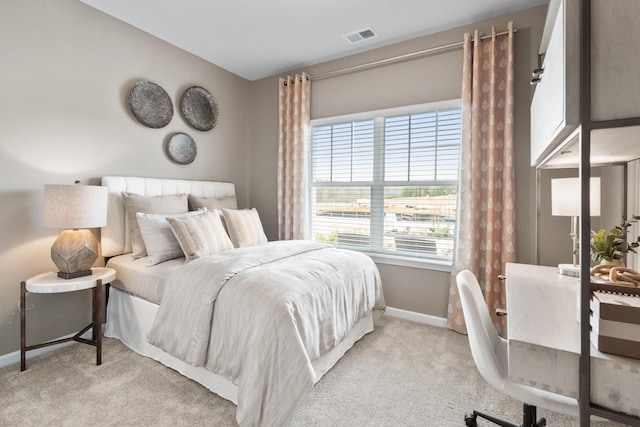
x,y
405,261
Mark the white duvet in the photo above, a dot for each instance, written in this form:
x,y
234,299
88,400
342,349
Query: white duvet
x,y
278,306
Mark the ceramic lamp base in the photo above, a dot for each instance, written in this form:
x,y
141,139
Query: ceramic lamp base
x,y
74,252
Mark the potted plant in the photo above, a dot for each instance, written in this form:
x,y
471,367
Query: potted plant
x,y
611,246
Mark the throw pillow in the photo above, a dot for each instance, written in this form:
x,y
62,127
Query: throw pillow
x,y
200,235
245,228
159,241
134,203
198,202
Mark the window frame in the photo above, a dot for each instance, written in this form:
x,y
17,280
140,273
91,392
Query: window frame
x,y
426,262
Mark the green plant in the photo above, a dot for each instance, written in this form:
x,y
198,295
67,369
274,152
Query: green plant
x,y
613,244
442,232
331,237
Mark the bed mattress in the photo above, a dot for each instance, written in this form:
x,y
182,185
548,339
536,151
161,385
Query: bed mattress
x,y
136,277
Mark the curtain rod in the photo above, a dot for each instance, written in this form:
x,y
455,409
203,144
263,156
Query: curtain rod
x,y
405,57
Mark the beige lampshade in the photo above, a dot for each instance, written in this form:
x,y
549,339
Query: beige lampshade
x,y
76,207
565,196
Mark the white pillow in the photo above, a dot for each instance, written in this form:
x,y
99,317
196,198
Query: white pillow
x,y
159,240
200,235
245,228
197,202
166,204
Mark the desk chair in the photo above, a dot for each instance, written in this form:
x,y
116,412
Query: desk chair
x,y
489,352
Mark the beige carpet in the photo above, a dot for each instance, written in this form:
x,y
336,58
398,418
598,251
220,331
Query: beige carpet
x,y
402,374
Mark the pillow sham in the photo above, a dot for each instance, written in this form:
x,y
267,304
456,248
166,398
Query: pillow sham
x,y
200,235
245,228
197,202
159,241
166,204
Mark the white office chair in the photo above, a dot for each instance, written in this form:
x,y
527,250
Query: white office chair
x,y
489,352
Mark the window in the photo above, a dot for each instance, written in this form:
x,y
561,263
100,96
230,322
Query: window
x,y
386,182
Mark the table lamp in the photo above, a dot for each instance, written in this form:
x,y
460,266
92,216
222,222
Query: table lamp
x,y
565,201
75,207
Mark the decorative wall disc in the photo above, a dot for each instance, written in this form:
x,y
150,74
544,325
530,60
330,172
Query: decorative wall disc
x,y
181,148
150,104
199,108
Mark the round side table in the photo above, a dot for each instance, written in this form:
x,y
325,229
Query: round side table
x,y
50,283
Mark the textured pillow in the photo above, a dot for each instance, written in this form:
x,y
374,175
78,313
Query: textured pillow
x,y
200,235
245,228
197,202
160,242
134,203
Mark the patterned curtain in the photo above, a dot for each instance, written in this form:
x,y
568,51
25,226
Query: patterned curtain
x,y
485,239
293,141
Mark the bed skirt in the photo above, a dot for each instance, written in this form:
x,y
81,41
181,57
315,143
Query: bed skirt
x,y
130,318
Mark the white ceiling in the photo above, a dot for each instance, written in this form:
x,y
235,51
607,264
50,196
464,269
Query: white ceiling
x,y
260,38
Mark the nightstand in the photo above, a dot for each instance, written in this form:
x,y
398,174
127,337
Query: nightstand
x,y
50,283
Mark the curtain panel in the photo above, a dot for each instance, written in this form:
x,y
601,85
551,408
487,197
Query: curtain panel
x,y
485,239
293,143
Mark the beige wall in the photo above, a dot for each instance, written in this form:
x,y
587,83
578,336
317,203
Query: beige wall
x,y
66,69
433,78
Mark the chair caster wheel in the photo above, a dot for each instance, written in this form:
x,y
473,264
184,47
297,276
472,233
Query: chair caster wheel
x,y
470,420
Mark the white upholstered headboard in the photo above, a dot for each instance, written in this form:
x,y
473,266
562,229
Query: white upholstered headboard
x,y
115,236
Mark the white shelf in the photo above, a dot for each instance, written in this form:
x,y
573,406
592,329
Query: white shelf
x,y
608,146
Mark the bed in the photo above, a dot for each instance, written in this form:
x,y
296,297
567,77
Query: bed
x,y
258,323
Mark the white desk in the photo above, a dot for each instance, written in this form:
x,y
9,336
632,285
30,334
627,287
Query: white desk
x,y
544,341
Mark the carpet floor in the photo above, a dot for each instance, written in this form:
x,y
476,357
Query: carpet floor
x,y
402,374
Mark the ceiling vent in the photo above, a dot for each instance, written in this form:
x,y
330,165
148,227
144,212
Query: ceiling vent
x,y
361,35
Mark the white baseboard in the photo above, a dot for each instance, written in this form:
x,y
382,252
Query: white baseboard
x,y
11,358
426,319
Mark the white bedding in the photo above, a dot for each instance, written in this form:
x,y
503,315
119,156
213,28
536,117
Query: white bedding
x,y
129,319
136,277
278,306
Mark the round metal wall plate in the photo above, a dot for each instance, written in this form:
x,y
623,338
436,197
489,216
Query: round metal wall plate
x,y
181,148
150,104
199,108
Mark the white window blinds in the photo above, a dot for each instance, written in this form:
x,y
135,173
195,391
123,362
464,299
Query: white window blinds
x,y
387,183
